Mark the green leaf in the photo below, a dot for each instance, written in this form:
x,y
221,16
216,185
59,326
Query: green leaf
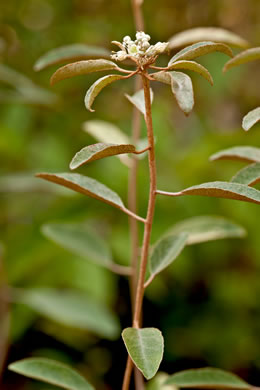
x,y
158,382
79,239
225,190
249,175
208,228
195,67
52,372
84,185
95,89
145,347
199,34
182,89
138,99
71,308
200,49
72,52
251,119
165,251
99,151
80,68
249,55
207,378
241,153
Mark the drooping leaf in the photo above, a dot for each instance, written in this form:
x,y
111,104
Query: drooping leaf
x,y
95,89
71,308
207,378
251,119
108,133
249,175
52,372
194,66
241,153
99,151
207,228
84,185
145,347
200,49
198,34
80,68
138,99
165,251
248,55
182,89
79,239
222,189
72,52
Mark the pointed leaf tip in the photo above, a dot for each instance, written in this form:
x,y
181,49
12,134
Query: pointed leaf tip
x,y
95,89
249,55
251,119
145,347
52,372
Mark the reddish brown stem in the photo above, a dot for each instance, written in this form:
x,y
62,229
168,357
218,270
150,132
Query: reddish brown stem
x,y
138,15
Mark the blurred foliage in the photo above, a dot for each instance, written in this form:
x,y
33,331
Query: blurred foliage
x,y
207,303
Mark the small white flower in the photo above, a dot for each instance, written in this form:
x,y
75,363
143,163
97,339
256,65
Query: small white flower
x,y
160,47
119,55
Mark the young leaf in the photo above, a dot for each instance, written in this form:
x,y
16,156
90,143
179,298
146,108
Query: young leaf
x,y
52,372
80,68
166,251
94,90
198,34
200,49
249,175
74,52
99,151
226,190
207,228
145,347
194,66
182,89
248,55
207,378
251,119
79,239
138,100
71,308
241,153
108,133
84,185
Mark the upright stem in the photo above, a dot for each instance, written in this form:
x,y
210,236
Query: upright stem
x,y
148,224
138,15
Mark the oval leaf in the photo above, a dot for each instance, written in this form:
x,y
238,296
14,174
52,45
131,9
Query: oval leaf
x,y
222,189
199,34
99,151
84,185
108,133
80,68
52,372
79,239
166,251
207,228
97,87
138,99
195,67
241,153
207,378
145,347
71,308
72,52
249,55
249,175
200,49
251,119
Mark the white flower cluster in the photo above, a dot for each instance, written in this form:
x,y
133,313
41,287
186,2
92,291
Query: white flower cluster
x,y
139,49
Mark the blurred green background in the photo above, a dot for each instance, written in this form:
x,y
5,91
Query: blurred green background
x,y
207,303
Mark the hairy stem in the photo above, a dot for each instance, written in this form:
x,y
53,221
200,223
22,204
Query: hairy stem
x,y
148,223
